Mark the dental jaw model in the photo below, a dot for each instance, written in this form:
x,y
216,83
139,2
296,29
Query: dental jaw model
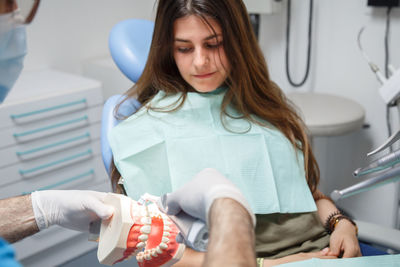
x,y
138,230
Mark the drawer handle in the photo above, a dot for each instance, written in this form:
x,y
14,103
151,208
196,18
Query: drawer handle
x,y
70,140
51,126
21,115
50,164
66,181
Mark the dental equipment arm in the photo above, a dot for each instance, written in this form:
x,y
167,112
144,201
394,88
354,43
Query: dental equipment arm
x,y
389,176
382,178
380,164
391,140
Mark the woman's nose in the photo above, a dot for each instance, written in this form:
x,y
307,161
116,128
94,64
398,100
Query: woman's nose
x,y
201,58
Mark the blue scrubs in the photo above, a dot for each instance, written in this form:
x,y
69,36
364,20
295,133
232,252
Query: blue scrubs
x,y
7,255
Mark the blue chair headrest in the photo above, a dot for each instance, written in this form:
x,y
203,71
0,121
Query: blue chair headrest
x,y
129,44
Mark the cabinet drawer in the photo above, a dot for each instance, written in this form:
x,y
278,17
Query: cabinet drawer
x,y
81,175
47,165
53,126
52,144
44,108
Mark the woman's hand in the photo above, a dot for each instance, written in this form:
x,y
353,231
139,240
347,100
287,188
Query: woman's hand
x,y
323,254
343,241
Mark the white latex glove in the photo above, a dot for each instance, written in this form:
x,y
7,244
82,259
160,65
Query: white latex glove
x,y
196,197
72,209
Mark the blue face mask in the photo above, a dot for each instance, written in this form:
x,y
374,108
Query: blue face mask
x,y
12,51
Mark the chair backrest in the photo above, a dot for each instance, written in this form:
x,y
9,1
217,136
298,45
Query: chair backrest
x,y
129,44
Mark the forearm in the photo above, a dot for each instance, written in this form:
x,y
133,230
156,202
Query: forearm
x,y
17,219
325,207
191,258
231,241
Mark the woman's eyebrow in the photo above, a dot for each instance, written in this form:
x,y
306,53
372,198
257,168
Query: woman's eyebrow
x,y
212,36
205,39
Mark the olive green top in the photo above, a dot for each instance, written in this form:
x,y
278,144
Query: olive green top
x,y
279,235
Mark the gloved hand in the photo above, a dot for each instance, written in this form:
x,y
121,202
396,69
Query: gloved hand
x,y
196,197
72,209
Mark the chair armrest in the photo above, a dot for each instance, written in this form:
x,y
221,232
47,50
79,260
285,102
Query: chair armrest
x,y
378,235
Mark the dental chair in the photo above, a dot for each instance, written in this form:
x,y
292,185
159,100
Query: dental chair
x,y
129,44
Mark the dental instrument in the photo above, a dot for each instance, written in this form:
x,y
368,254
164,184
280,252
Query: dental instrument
x,y
380,164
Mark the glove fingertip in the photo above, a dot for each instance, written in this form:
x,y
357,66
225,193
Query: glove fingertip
x,y
169,205
107,213
172,210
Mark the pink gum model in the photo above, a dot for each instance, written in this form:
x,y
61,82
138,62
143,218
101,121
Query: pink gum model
x,y
138,230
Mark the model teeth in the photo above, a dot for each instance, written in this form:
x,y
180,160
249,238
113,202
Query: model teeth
x,y
165,239
163,245
145,229
167,228
141,245
154,253
166,222
145,220
166,234
147,255
158,250
143,237
139,257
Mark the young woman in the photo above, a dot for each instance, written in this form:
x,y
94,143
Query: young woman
x,y
206,82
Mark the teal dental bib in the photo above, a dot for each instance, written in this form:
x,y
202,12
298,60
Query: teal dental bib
x,y
157,152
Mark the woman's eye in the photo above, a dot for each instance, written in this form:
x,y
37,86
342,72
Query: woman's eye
x,y
213,45
184,49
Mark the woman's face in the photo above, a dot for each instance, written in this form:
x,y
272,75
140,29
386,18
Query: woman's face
x,y
199,53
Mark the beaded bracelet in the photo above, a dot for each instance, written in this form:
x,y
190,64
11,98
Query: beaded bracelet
x,y
328,220
341,217
332,221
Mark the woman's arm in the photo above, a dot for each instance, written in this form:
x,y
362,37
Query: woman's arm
x,y
343,241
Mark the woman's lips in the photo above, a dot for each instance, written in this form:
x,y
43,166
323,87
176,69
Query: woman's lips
x,y
203,76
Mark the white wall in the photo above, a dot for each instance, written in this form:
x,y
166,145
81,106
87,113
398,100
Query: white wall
x,y
68,33
339,68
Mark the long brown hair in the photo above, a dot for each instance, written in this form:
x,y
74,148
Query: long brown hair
x,y
251,92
